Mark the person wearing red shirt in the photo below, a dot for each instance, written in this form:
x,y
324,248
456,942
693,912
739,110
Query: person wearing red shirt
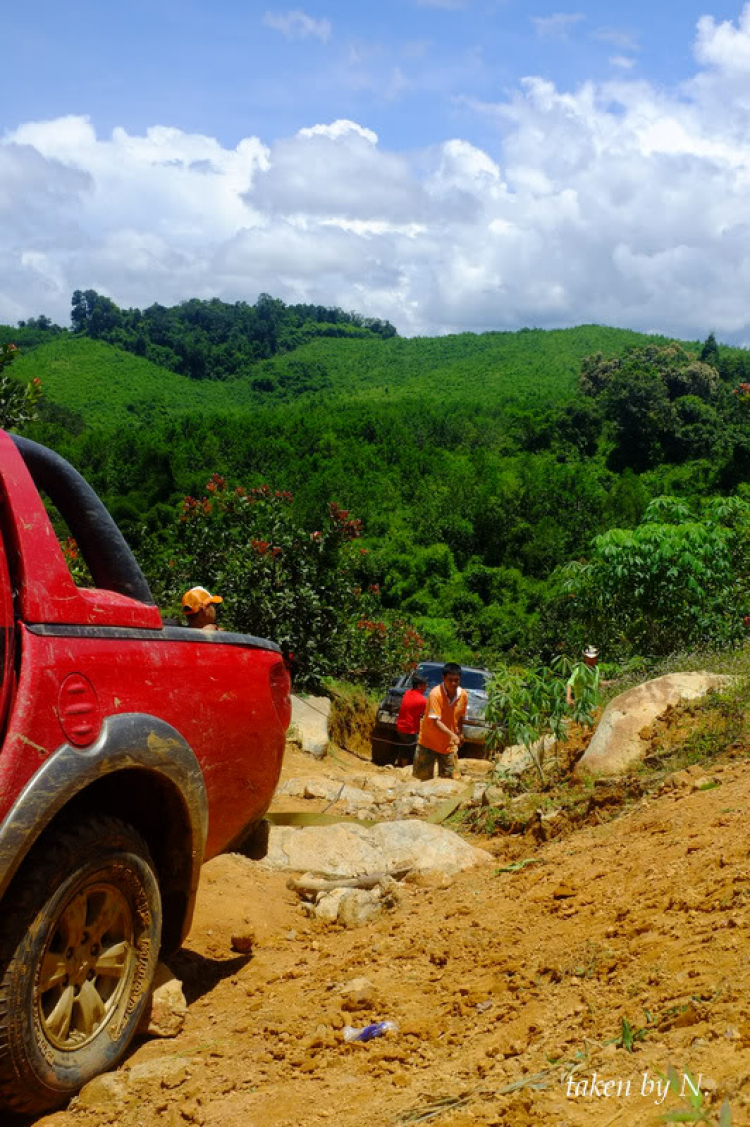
x,y
409,718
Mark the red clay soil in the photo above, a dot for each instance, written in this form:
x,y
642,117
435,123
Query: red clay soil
x,y
509,989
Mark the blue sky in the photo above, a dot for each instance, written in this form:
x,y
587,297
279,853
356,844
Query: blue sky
x,y
449,164
407,70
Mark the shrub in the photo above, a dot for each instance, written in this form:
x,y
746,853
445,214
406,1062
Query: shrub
x,y
18,402
675,580
304,590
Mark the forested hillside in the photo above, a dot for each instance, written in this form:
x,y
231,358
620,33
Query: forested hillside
x,y
479,465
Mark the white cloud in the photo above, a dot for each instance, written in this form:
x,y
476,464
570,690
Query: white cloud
x,y
622,39
556,26
339,129
618,203
298,25
724,46
622,62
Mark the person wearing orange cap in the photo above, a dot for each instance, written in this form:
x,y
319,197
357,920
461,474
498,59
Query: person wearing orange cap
x,y
199,608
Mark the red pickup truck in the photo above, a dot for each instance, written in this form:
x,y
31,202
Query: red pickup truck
x,y
131,753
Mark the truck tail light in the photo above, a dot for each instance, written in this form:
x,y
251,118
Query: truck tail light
x,y
280,686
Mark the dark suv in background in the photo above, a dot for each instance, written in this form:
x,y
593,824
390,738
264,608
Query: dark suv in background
x,y
384,736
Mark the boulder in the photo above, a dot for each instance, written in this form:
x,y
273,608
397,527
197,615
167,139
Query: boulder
x,y
309,726
621,738
349,850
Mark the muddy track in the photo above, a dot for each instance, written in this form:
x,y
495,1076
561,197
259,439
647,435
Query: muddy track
x,y
554,993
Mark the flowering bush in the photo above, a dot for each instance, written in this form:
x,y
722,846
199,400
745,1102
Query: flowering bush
x,y
305,590
384,648
76,564
743,395
18,401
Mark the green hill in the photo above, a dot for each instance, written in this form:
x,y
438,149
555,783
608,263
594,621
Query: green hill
x,y
477,463
526,367
106,385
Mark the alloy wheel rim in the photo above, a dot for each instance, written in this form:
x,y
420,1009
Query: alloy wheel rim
x,y
87,964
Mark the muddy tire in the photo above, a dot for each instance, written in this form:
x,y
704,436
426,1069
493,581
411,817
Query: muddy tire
x,y
79,942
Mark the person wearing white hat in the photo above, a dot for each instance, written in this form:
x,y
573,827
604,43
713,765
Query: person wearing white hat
x,y
591,659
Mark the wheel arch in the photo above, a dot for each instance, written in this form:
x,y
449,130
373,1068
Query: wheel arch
x,y
140,770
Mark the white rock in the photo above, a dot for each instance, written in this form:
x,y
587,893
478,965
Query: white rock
x,y
517,758
359,906
354,796
492,796
351,850
331,790
617,743
379,783
328,903
294,788
321,788
309,726
437,788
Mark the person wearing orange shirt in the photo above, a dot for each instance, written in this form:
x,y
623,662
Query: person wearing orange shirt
x,y
442,727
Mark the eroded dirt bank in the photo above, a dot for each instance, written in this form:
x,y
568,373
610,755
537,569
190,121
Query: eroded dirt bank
x,y
509,989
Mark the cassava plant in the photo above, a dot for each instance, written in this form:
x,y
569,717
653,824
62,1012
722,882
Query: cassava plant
x,y
528,706
678,579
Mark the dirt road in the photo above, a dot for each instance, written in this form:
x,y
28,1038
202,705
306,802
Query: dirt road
x,y
510,989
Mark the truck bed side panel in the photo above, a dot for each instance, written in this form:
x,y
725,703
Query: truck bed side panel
x,y
216,696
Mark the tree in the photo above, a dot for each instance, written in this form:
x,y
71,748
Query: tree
x,y
94,314
676,580
660,403
710,351
637,405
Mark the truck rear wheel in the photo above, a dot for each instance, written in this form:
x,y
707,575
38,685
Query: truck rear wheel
x,y
79,943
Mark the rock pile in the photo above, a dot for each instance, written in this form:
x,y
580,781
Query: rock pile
x,y
349,872
386,797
